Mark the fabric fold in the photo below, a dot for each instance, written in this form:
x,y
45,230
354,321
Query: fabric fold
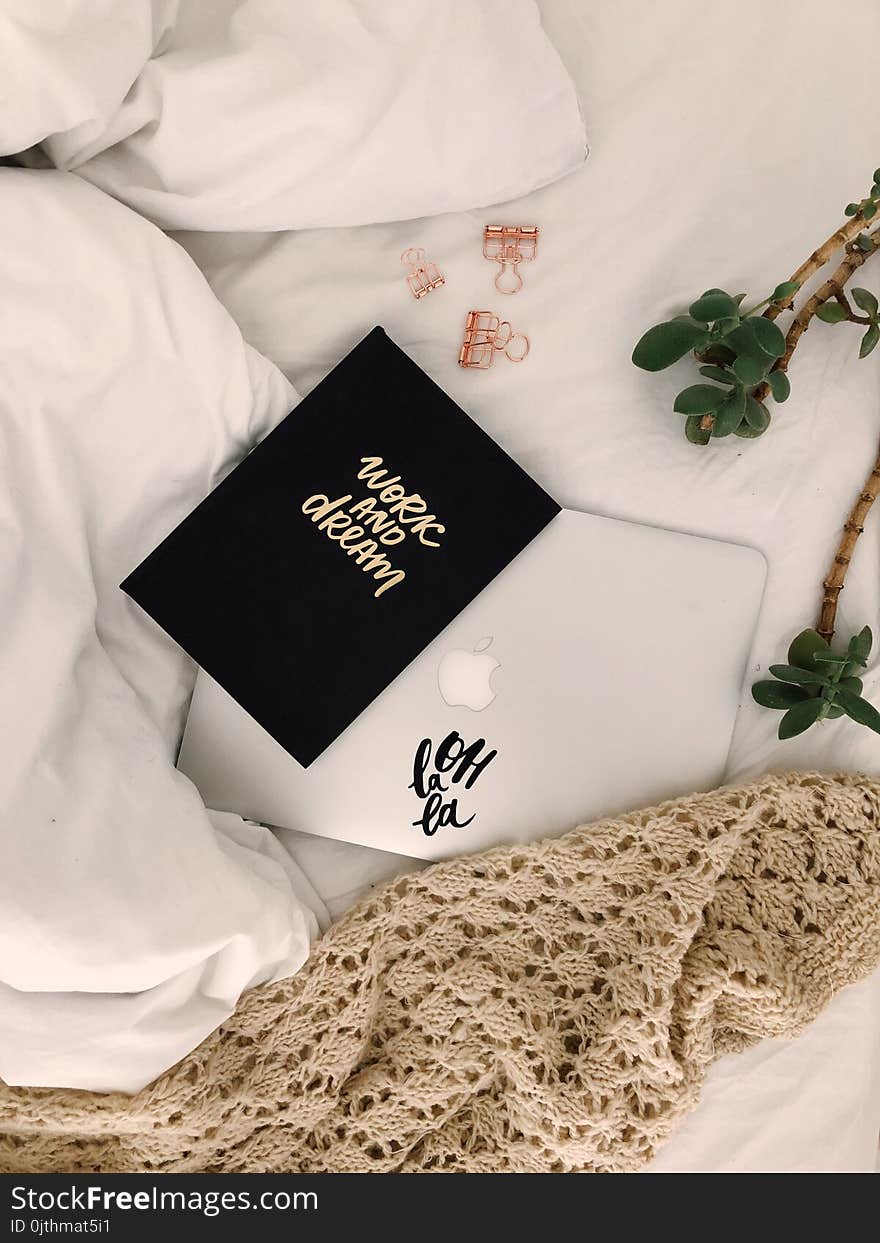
x,y
131,918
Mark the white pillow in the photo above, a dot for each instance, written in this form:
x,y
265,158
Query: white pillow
x,y
66,65
266,114
126,391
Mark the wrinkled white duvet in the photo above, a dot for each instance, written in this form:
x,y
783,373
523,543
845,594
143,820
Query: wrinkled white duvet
x,y
130,918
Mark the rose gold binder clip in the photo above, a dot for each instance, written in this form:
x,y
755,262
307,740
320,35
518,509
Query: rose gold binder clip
x,y
509,246
484,335
423,275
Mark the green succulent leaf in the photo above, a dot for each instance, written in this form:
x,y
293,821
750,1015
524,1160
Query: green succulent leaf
x,y
860,645
877,174
831,658
748,369
696,435
748,432
864,242
800,677
851,684
801,717
699,399
742,341
713,305
831,312
804,649
777,694
780,385
869,211
858,709
851,209
718,353
729,414
767,334
757,416
865,300
869,340
785,291
665,344
718,373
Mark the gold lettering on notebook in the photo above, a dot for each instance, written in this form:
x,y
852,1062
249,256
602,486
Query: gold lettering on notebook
x,y
405,508
364,528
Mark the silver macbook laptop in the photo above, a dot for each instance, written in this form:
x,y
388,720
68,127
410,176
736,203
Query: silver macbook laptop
x,y
601,671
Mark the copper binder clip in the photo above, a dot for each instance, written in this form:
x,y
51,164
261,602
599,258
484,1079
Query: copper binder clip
x,y
423,275
509,246
484,335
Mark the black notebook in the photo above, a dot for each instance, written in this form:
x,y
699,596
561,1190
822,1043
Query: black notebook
x,y
340,547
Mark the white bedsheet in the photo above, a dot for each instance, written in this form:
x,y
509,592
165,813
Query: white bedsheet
x,y
719,158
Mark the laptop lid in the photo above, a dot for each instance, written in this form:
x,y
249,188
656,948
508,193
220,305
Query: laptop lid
x,y
599,672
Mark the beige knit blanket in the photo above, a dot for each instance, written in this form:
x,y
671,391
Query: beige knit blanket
x,y
545,1007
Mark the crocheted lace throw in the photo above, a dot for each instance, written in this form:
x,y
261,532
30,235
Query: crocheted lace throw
x,y
538,1008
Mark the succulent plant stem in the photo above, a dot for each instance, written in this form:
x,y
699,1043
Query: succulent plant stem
x,y
852,529
832,288
843,236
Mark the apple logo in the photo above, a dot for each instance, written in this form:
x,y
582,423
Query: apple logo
x,y
465,678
